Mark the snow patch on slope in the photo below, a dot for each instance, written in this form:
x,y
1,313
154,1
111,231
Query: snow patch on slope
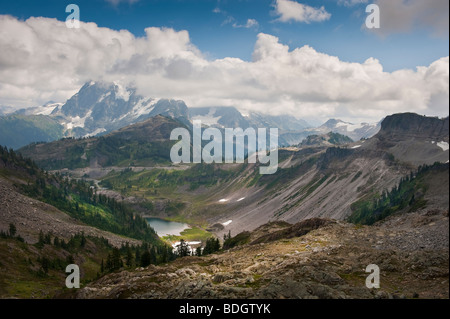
x,y
227,223
47,109
349,126
97,131
77,121
443,145
104,96
144,106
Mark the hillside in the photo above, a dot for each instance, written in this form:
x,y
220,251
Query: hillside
x,y
20,130
48,222
328,139
146,143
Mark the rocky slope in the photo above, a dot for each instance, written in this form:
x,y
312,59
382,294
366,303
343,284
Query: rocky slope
x,y
411,251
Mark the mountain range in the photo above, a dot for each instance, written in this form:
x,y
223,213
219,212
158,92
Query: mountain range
x,y
344,196
321,177
99,108
306,231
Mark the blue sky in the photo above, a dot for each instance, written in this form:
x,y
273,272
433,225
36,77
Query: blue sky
x,y
312,59
212,26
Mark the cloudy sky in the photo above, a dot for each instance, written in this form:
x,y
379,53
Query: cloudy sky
x,y
311,59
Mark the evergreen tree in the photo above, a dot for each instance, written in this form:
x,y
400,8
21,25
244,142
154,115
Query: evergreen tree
x,y
216,245
116,260
165,255
70,260
45,263
145,259
182,249
48,239
41,240
82,240
12,230
129,257
138,256
109,265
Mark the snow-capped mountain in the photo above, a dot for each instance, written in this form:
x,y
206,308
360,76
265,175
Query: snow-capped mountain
x,y
220,117
103,107
227,116
45,109
291,130
354,131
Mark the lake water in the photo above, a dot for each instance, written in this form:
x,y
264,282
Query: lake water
x,y
165,227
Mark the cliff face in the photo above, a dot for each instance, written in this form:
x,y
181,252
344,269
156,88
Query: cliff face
x,y
413,139
414,125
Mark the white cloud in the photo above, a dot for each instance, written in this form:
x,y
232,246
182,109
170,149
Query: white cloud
x,y
397,16
293,11
42,60
251,23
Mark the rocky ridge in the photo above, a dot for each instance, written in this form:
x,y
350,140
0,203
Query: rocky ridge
x,y
329,262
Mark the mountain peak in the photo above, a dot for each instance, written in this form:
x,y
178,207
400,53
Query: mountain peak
x,y
100,107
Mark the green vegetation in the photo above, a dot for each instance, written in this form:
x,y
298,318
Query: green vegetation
x,y
332,138
153,180
240,239
190,234
78,199
142,144
212,246
338,139
38,270
122,152
409,193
